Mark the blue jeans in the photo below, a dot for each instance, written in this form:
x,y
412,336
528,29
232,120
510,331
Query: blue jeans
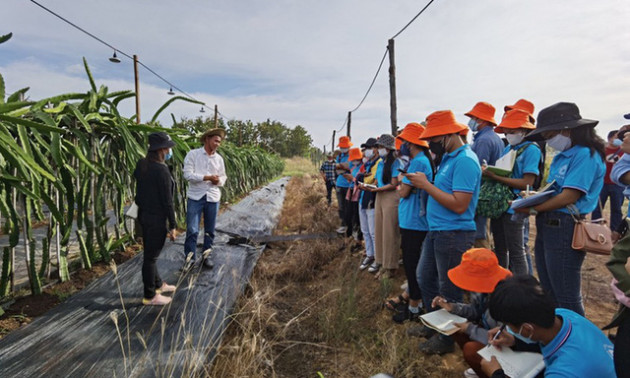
x,y
615,192
558,265
193,217
441,251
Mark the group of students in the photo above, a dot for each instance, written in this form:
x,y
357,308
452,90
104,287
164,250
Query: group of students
x,y
418,192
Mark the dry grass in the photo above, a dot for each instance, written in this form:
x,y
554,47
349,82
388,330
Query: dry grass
x,y
299,166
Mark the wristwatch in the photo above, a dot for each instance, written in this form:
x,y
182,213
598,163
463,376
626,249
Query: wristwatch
x,y
532,211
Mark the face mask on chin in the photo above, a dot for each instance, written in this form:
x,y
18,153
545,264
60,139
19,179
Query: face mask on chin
x,y
559,143
518,335
514,139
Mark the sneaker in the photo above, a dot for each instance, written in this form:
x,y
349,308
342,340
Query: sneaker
x,y
188,264
366,262
470,373
375,267
404,315
165,288
206,253
208,263
342,230
420,331
404,286
437,345
158,300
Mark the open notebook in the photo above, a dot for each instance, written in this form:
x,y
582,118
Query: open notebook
x,y
442,321
535,199
504,165
515,364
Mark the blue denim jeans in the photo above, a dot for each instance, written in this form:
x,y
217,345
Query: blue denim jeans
x,y
193,218
615,192
558,265
441,251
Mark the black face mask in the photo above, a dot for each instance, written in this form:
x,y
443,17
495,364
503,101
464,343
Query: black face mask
x,y
437,147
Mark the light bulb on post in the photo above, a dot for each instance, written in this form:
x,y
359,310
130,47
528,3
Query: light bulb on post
x,y
114,58
202,110
170,91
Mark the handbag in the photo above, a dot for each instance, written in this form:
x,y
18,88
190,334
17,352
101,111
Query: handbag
x,y
132,211
592,236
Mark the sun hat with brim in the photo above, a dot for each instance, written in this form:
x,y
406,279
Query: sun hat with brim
x,y
523,105
355,154
484,111
560,116
515,119
479,271
440,123
344,142
370,143
160,140
212,132
387,141
411,133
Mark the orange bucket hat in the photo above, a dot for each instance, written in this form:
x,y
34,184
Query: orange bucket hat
x,y
515,119
479,271
344,142
398,142
523,105
440,123
484,111
411,133
355,154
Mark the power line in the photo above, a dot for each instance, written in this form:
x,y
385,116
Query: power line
x,y
115,50
413,19
372,83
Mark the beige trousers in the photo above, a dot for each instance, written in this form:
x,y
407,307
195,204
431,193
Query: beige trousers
x,y
387,238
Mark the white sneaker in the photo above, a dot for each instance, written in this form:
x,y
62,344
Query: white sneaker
x,y
470,373
366,262
404,286
342,230
374,267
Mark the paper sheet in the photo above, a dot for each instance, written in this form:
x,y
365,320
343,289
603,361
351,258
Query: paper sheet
x,y
515,364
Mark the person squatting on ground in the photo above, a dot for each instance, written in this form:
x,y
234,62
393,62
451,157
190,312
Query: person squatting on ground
x,y
412,214
367,199
204,170
342,184
154,196
451,211
578,172
571,345
327,170
507,230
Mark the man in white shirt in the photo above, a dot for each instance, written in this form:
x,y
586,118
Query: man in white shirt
x,y
205,172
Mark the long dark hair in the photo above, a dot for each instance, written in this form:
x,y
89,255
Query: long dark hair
x,y
152,156
587,137
387,167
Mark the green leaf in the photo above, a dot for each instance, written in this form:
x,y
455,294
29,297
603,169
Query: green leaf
x,y
167,103
2,89
6,37
16,95
38,126
89,74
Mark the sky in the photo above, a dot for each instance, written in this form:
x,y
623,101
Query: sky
x,y
309,62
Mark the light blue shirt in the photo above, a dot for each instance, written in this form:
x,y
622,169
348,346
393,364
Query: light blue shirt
x,y
619,169
459,172
379,172
526,162
487,145
412,214
341,181
579,349
577,169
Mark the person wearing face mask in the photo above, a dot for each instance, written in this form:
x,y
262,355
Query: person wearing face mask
x,y
507,232
610,189
366,201
387,233
487,145
342,185
571,345
578,171
154,197
450,214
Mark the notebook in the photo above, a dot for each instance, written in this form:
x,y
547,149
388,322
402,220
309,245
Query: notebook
x,y
535,199
515,364
442,321
504,165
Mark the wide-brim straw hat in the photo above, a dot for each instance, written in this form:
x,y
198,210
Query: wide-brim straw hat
x,y
355,154
483,111
411,133
212,132
479,271
387,141
523,105
344,142
160,140
560,116
515,119
442,122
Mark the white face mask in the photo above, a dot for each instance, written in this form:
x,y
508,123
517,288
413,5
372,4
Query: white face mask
x,y
382,152
559,143
514,139
343,150
365,159
368,153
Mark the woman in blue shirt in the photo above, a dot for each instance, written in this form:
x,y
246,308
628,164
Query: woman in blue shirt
x,y
507,233
578,171
412,214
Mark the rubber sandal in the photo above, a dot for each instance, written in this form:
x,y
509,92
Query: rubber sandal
x,y
393,304
165,288
158,300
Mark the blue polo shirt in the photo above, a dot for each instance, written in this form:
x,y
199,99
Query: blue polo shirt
x,y
459,172
487,145
577,169
412,213
618,170
341,181
379,171
354,171
580,349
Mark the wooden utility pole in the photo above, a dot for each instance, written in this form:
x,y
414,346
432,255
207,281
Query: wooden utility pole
x,y
216,116
324,150
135,75
349,122
333,142
392,87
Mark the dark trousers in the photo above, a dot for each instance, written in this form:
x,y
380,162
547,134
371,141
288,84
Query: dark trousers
x,y
622,349
411,245
351,218
342,204
615,192
154,236
330,185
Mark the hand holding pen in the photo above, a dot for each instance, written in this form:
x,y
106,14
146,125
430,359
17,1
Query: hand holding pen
x,y
499,338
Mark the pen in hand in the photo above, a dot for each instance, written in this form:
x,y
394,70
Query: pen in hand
x,y
496,335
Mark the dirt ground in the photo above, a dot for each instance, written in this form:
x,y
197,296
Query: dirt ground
x,y
309,311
